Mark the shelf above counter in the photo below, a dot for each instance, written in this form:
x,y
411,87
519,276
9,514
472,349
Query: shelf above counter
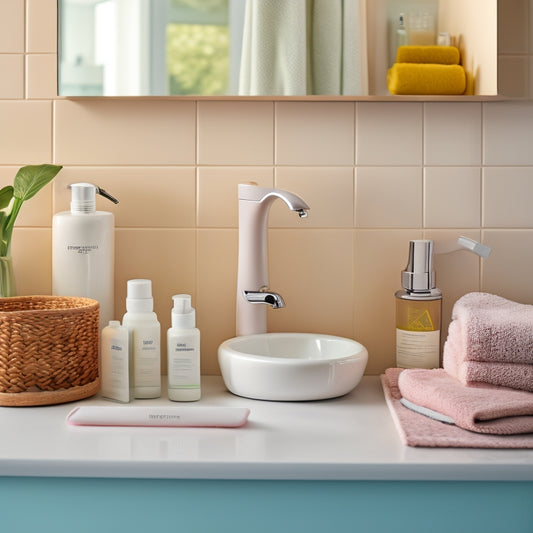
x,y
349,438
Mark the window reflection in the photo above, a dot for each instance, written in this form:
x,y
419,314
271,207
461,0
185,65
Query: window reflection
x,y
131,47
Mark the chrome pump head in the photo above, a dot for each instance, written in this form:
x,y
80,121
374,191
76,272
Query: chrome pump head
x,y
419,275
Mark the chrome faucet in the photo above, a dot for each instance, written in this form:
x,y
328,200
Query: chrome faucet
x,y
264,296
252,276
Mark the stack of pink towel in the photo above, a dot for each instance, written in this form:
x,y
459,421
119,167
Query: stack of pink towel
x,y
490,340
485,409
486,385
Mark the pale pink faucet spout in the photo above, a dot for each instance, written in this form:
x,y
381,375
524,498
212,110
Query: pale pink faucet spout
x,y
252,276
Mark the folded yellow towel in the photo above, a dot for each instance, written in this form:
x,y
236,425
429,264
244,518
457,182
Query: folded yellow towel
x,y
414,78
442,55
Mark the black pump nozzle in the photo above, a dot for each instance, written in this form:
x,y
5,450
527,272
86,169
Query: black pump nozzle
x,y
105,194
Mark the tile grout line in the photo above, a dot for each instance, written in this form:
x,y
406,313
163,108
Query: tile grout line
x,y
25,55
274,145
197,209
423,159
354,229
481,270
53,131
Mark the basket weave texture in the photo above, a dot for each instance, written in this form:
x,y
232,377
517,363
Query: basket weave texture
x,y
48,344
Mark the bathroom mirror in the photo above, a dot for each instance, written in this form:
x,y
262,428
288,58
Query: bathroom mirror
x,y
251,48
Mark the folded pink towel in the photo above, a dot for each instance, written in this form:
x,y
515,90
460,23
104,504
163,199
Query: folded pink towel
x,y
472,373
489,328
418,430
483,409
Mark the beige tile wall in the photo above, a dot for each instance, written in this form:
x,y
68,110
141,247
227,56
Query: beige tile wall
x,y
375,175
515,64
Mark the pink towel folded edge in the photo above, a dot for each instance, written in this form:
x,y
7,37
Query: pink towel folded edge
x,y
486,327
483,409
475,373
417,430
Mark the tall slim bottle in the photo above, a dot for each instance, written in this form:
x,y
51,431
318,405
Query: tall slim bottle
x,y
144,339
83,250
418,310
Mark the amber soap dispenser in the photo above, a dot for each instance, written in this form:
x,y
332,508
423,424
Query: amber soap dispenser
x,y
418,310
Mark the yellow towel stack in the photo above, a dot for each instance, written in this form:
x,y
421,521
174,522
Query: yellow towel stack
x,y
427,70
440,55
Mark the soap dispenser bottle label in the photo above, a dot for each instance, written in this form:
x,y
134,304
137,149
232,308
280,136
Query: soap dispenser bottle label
x,y
146,354
184,362
417,349
417,332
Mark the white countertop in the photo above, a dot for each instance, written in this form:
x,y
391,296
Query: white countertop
x,y
349,438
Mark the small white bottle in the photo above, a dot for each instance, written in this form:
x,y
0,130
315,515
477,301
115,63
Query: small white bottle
x,y
183,351
117,368
144,339
83,250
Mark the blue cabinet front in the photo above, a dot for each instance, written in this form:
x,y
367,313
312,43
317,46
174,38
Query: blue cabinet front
x,y
90,505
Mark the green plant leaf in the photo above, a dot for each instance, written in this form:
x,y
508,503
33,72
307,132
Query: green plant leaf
x,y
6,193
32,178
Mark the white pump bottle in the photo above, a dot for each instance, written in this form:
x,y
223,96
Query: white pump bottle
x,y
83,250
144,338
183,350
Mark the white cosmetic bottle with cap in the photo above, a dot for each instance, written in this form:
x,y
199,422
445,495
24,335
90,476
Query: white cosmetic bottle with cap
x,y
83,250
144,339
183,350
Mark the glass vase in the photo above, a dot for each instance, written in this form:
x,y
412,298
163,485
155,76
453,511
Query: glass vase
x,y
7,277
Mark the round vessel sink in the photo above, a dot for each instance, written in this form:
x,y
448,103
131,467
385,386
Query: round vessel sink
x,y
291,366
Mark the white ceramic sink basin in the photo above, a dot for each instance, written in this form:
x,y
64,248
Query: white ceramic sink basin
x,y
291,366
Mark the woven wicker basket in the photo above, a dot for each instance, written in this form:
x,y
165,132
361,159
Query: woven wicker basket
x,y
48,349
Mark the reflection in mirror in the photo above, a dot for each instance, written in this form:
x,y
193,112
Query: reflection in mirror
x,y
147,47
254,47
470,25
212,47
304,47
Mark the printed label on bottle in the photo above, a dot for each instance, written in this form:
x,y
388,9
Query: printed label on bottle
x,y
119,366
184,366
115,371
147,361
417,349
83,249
